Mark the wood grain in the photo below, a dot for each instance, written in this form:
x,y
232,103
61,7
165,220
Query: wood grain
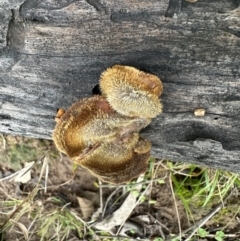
x,y
52,53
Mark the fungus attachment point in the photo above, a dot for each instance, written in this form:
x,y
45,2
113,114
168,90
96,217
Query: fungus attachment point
x,y
100,133
96,90
59,114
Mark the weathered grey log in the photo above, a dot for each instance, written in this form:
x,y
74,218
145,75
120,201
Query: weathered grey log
x,y
52,53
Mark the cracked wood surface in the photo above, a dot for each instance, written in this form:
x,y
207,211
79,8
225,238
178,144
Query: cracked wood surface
x,y
52,53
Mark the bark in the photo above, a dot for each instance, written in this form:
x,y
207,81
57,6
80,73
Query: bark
x,y
52,53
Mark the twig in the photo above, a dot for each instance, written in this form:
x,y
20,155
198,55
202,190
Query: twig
x,y
108,199
118,237
161,224
225,236
100,195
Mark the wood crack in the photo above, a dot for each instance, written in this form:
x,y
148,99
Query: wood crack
x,y
97,5
173,6
16,31
193,84
231,31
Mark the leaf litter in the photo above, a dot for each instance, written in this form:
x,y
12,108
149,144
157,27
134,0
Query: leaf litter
x,y
48,183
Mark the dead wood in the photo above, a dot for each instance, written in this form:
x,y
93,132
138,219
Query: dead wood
x,y
52,53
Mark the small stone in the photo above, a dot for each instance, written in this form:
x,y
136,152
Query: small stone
x,y
191,1
199,112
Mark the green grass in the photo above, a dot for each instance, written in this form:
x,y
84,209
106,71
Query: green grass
x,y
17,150
47,224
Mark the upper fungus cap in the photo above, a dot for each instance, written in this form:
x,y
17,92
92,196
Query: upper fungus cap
x,y
132,92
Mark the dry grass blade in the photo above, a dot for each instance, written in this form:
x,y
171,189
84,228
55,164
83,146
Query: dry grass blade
x,y
176,208
30,196
101,195
22,227
53,217
45,168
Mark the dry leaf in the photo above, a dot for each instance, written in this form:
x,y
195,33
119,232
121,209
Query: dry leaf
x,y
131,226
86,207
119,216
89,195
24,175
143,218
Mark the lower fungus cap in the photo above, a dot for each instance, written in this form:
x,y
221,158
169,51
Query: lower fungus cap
x,y
122,166
103,141
76,128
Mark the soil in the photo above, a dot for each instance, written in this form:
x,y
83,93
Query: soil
x,y
156,216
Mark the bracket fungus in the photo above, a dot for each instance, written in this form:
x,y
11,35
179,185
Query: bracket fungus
x,y
101,133
132,92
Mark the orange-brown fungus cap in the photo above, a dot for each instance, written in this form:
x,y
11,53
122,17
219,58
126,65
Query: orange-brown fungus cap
x,y
100,133
132,92
76,129
101,140
119,164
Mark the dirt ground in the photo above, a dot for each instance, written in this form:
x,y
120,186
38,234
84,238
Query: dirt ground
x,y
158,214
